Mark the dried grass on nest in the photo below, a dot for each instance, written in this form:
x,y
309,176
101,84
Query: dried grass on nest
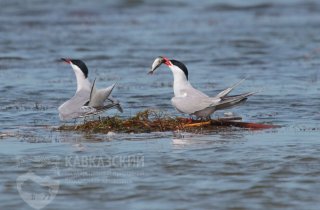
x,y
155,121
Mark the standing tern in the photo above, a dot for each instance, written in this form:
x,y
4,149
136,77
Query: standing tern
x,y
191,101
87,99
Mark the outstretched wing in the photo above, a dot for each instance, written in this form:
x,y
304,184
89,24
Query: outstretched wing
x,y
100,96
93,89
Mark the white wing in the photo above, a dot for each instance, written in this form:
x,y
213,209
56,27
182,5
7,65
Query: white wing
x,y
72,108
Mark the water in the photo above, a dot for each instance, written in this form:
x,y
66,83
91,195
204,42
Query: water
x,y
274,43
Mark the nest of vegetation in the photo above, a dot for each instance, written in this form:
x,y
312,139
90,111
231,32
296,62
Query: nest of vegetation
x,y
154,121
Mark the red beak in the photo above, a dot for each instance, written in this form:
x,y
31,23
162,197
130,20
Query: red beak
x,y
166,61
66,60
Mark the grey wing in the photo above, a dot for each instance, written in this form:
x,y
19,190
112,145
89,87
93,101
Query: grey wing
x,y
228,90
191,104
100,96
72,108
98,110
191,91
115,101
231,101
93,91
108,90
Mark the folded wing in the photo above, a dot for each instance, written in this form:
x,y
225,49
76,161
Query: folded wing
x,y
192,104
72,108
228,90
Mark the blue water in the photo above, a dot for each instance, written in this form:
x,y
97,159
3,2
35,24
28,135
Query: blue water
x,y
275,44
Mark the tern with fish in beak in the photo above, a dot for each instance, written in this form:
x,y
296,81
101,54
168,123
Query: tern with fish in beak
x,y
191,101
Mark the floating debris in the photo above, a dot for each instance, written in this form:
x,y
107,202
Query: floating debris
x,y
154,121
4,135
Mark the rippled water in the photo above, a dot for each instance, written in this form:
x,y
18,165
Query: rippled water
x,y
274,43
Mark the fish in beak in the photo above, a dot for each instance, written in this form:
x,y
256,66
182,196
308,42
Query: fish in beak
x,y
156,63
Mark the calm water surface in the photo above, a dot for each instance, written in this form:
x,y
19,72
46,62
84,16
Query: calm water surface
x,y
273,43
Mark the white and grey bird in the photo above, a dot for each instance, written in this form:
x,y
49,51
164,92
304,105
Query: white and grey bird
x,y
191,101
87,99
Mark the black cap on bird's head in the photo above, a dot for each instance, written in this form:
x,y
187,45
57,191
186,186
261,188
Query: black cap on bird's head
x,y
181,66
79,63
160,60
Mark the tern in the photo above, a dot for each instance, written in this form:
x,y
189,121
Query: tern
x,y
87,99
191,101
